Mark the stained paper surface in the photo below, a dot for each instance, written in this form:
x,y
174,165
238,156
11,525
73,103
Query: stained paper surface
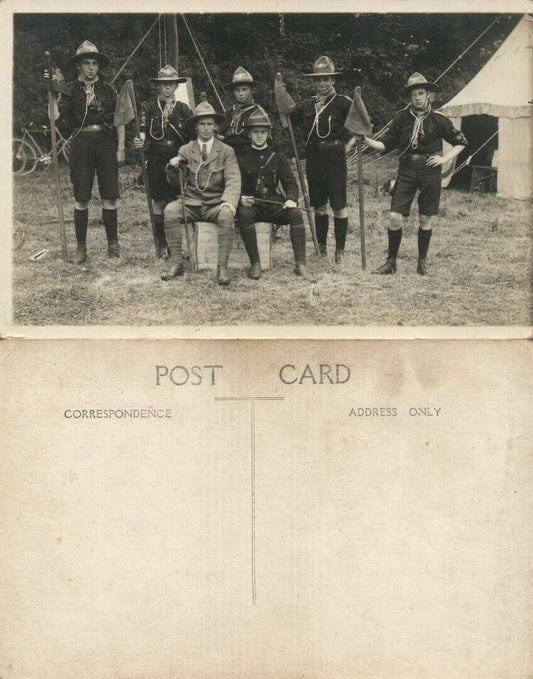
x,y
248,521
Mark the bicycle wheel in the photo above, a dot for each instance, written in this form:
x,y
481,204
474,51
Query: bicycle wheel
x,y
24,157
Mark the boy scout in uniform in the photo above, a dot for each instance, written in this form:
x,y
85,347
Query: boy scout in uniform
x,y
88,113
163,129
232,130
326,143
211,194
418,132
262,169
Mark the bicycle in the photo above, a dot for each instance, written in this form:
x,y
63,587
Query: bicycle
x,y
27,153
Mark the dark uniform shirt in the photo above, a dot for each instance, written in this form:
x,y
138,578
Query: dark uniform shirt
x,y
436,127
262,170
75,112
176,129
323,121
235,134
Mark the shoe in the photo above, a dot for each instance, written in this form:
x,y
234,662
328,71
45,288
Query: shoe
x,y
339,256
388,267
255,271
174,272
422,268
222,275
301,270
113,249
81,254
162,251
323,249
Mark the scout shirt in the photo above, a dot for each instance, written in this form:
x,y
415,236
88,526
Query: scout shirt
x,y
235,134
262,170
152,123
79,109
323,121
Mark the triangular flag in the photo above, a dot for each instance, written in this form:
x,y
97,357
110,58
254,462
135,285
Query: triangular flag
x,y
124,110
358,121
59,84
284,102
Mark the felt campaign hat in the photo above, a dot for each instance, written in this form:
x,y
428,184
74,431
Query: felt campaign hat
x,y
417,80
88,49
323,66
241,77
168,74
259,118
205,110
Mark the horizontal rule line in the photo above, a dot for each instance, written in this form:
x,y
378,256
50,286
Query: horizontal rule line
x,y
249,398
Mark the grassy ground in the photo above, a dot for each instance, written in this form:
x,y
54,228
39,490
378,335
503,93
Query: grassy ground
x,y
479,271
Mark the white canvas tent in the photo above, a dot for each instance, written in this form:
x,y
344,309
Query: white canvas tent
x,y
503,88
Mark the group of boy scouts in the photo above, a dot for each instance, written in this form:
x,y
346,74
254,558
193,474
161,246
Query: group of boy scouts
x,y
205,166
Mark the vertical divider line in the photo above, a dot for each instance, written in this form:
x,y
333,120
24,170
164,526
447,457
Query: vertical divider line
x,y
252,442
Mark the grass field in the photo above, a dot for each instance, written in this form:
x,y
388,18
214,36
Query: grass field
x,y
479,269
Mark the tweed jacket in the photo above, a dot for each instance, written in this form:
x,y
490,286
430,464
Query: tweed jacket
x,y
217,180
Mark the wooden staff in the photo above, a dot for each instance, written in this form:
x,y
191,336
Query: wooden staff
x,y
131,93
190,254
359,144
59,199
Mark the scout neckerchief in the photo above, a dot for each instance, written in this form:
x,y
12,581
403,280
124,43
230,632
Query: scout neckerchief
x,y
320,107
418,127
166,112
238,109
88,86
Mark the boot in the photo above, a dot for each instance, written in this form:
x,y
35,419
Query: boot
x,y
422,268
222,275
113,249
81,254
173,272
339,255
388,268
255,271
301,270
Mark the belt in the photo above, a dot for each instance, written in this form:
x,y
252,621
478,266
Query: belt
x,y
164,142
93,128
418,156
331,142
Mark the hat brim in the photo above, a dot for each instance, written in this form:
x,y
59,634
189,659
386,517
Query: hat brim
x,y
169,80
231,86
430,87
104,61
322,75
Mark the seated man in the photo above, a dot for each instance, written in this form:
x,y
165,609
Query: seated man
x,y
211,192
262,168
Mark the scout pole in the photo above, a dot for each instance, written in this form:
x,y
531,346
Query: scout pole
x,y
285,106
59,200
192,263
131,93
358,122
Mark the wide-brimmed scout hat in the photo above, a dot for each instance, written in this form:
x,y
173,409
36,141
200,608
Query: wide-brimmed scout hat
x,y
88,49
323,66
259,118
417,80
168,74
241,77
205,110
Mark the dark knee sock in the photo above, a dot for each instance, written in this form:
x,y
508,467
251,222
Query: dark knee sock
x,y
81,218
395,238
424,236
225,241
341,229
321,224
249,238
173,235
297,235
159,227
109,218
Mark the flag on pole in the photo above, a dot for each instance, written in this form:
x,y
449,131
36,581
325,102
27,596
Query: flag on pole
x,y
124,111
284,102
358,121
59,85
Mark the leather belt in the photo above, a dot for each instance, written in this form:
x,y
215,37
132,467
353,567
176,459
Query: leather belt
x,y
418,156
93,128
164,142
326,142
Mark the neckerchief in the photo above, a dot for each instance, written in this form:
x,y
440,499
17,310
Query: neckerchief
x,y
418,127
88,86
238,110
167,109
321,98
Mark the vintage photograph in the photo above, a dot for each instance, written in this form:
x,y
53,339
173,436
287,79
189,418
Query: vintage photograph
x,y
270,169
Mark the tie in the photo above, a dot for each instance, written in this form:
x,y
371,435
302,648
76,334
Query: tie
x,y
204,152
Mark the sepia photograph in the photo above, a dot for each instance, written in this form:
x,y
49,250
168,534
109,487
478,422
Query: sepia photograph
x,y
261,169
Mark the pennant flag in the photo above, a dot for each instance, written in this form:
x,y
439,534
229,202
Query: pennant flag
x,y
59,85
358,121
124,111
284,102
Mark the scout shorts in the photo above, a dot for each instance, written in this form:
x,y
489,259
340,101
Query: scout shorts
x,y
326,175
93,153
413,176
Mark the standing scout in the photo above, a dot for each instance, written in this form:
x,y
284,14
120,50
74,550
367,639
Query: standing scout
x,y
211,194
232,130
418,132
262,169
162,129
326,143
88,113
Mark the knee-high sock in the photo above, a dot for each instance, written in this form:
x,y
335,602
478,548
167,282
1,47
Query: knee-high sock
x,y
321,224
173,231
424,236
395,238
159,226
109,217
341,229
81,218
225,236
297,235
249,238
